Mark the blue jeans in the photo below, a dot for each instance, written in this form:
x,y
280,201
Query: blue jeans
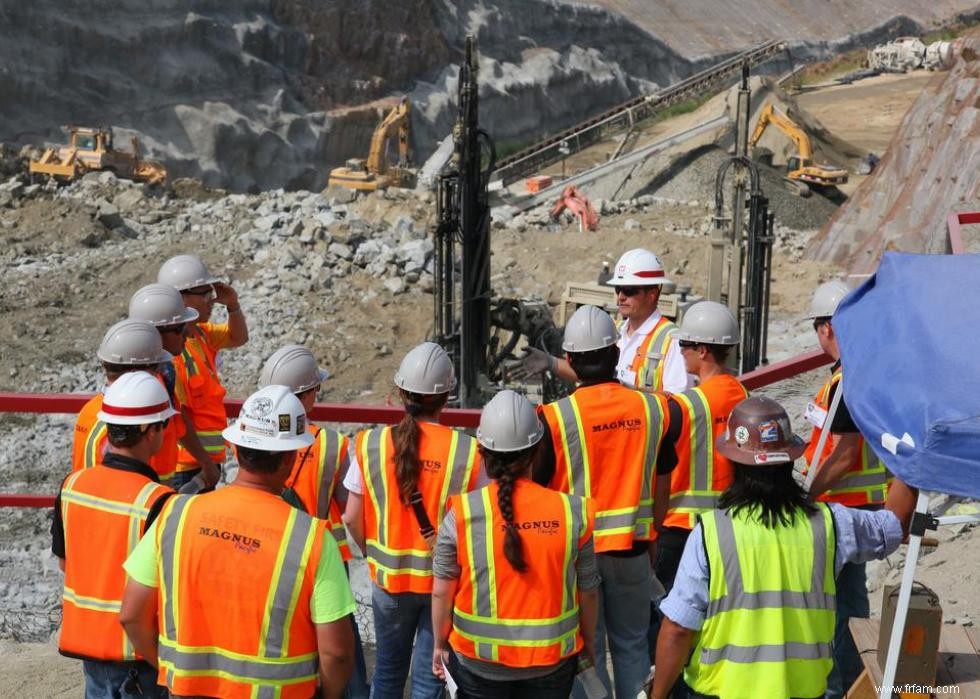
x,y
555,685
357,686
400,619
624,617
107,680
852,601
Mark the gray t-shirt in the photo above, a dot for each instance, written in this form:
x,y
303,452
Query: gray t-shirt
x,y
445,565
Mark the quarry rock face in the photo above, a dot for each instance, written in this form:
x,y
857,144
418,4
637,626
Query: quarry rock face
x,y
262,94
931,169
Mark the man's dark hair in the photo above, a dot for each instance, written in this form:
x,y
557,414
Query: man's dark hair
x,y
114,371
124,435
719,352
597,365
769,493
259,460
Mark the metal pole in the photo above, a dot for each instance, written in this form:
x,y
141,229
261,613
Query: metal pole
x,y
902,608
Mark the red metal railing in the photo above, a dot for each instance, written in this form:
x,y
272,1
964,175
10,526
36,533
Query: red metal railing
x,y
71,403
954,222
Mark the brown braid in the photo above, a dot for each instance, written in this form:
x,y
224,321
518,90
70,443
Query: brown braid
x,y
405,436
506,468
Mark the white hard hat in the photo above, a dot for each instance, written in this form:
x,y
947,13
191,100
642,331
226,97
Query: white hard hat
x,y
426,370
709,322
826,299
132,341
293,366
271,419
185,272
136,398
160,305
589,328
638,267
509,423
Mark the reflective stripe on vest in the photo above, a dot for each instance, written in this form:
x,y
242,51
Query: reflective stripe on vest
x,y
749,622
866,482
636,519
136,512
387,560
485,628
270,664
96,436
655,346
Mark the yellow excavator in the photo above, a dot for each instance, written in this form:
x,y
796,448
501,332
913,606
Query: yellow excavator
x,y
90,149
375,172
802,172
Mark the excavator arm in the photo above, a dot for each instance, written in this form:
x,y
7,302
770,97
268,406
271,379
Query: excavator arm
x,y
771,115
397,120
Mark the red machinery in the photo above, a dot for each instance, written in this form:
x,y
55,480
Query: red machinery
x,y
579,205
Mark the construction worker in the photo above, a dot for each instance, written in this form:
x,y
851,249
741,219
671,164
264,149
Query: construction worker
x,y
99,516
849,473
235,593
129,345
197,365
516,586
398,484
313,484
649,358
602,443
751,613
697,417
162,307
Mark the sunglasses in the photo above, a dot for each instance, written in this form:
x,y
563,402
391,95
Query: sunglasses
x,y
627,290
178,329
686,344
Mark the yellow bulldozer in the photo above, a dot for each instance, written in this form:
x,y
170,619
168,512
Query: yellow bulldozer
x,y
90,149
375,172
802,172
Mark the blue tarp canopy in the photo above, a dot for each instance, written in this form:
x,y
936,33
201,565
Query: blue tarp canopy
x,y
910,349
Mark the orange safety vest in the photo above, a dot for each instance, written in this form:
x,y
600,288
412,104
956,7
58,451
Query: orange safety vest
x,y
237,568
399,558
104,512
702,474
606,439
315,476
647,364
866,483
197,372
519,619
90,440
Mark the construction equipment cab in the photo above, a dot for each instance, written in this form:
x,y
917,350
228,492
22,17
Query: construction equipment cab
x,y
801,170
375,173
91,149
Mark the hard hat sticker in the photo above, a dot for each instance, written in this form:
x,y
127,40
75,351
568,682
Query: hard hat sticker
x,y
773,457
283,423
741,435
260,407
300,424
769,432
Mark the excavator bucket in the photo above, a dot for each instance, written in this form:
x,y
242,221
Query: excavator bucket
x,y
579,205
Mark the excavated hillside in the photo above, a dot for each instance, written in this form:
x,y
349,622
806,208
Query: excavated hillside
x,y
260,94
931,168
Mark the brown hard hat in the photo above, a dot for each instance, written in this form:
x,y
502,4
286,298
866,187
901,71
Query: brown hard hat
x,y
759,434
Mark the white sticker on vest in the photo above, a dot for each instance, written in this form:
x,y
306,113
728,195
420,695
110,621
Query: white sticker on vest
x,y
815,415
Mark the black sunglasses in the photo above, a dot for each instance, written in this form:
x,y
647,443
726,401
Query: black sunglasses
x,y
627,290
179,329
686,344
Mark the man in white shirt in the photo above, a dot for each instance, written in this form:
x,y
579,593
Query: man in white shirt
x,y
649,357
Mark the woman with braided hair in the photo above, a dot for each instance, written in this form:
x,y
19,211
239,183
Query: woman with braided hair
x,y
398,485
515,598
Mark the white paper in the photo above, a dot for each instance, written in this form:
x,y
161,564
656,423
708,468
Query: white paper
x,y
451,685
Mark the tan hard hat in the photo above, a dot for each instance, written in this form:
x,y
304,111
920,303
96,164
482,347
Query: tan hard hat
x,y
759,434
293,366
